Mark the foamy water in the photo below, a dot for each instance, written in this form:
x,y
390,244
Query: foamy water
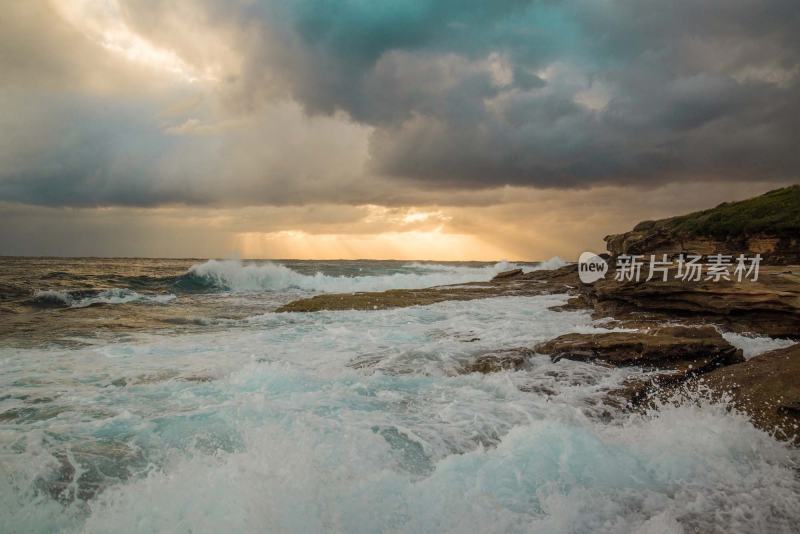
x,y
109,296
243,277
362,422
753,345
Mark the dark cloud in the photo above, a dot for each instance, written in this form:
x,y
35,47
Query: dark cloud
x,y
405,99
595,92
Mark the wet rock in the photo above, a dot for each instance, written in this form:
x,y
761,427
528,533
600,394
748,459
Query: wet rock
x,y
153,378
790,408
573,304
677,348
30,414
639,391
537,389
767,387
85,470
563,280
197,378
498,360
507,274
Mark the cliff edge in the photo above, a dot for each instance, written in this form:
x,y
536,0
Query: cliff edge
x,y
768,225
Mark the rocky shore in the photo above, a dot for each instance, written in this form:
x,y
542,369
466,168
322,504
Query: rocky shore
x,y
672,327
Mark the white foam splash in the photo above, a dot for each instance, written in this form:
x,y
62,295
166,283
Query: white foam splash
x,y
683,469
235,275
752,346
109,296
272,428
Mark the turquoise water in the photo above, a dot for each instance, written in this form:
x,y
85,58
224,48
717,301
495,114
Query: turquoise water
x,y
355,422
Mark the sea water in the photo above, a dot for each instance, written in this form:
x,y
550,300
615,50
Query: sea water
x,y
168,396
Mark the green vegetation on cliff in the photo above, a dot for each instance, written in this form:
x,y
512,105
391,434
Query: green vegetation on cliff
x,y
776,212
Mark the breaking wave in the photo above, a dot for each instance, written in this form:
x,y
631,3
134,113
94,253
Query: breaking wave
x,y
86,298
271,429
546,476
232,275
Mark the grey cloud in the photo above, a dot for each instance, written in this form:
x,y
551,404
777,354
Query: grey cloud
x,y
453,96
705,90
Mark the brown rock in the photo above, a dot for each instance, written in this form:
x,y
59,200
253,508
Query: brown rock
x,y
508,274
636,390
766,387
563,280
680,351
686,349
658,240
499,360
770,305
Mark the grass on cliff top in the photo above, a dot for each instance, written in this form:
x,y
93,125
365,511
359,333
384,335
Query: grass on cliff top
x,y
775,212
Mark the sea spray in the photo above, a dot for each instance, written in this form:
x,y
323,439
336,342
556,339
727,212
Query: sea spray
x,y
683,469
86,298
355,421
753,345
234,275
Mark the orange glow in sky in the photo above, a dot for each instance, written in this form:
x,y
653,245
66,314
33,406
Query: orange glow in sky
x,y
433,245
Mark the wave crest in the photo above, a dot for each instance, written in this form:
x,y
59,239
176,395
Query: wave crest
x,y
233,275
86,298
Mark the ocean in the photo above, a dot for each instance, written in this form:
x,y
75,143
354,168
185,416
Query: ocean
x,y
160,395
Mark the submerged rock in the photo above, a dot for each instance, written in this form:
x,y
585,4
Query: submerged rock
x,y
499,360
84,470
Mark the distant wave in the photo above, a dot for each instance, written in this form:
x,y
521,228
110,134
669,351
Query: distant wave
x,y
232,275
86,298
553,263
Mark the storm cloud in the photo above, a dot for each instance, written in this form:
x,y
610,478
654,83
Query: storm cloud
x,y
544,93
266,102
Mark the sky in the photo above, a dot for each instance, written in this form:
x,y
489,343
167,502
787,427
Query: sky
x,y
407,129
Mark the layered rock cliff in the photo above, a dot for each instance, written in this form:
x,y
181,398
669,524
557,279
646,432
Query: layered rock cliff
x,y
768,225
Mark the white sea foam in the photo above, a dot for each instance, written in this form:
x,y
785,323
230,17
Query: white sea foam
x,y
686,469
109,296
358,422
553,263
754,345
235,275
